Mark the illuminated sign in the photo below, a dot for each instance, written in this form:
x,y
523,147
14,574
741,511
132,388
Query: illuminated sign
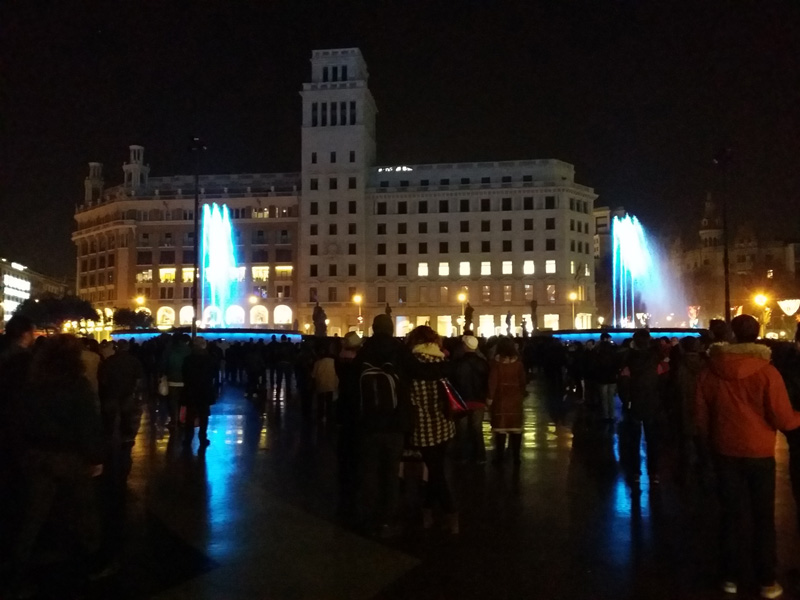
x,y
394,169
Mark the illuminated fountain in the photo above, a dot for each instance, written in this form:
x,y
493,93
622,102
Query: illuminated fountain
x,y
645,292
220,277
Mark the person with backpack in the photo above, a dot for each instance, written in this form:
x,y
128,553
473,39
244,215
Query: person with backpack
x,y
380,411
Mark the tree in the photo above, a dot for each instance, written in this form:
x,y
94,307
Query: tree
x,y
125,318
50,312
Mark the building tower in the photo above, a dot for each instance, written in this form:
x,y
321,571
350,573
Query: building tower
x,y
93,184
338,149
136,172
710,224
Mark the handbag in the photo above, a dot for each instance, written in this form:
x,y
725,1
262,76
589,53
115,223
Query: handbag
x,y
163,386
454,405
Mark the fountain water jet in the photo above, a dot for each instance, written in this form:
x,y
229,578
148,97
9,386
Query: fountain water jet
x,y
219,273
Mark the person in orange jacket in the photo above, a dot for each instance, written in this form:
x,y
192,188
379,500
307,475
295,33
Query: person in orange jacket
x,y
740,404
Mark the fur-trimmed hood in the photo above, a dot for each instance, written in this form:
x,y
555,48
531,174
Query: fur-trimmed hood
x,y
737,361
429,349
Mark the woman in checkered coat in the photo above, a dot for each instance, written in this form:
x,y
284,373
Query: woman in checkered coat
x,y
432,429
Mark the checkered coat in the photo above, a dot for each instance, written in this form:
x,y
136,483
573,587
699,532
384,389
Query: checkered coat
x,y
431,425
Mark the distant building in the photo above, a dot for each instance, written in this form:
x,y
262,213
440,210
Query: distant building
x,y
18,283
512,237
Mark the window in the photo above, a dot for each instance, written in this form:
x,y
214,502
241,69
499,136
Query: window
x,y
486,204
402,228
506,245
351,249
506,293
352,112
312,294
167,293
402,294
381,269
384,184
444,269
313,208
404,183
187,293
444,206
443,248
258,273
507,268
352,156
401,248
333,229
486,180
550,223
486,268
571,224
549,202
402,208
144,276
314,111
333,183
324,121
443,227
352,207
486,246
332,294
332,270
586,271
351,229
351,270
464,226
527,267
283,255
381,248
423,248
486,293
422,207
381,228
527,203
144,258
312,270
313,183
550,266
551,321
444,181
313,158
402,270
333,157
422,269
260,255
550,244
464,247
422,227
528,245
506,224
465,181
572,245
381,208
506,179
424,182
464,205
381,295
528,291
506,204
463,268
313,250
333,208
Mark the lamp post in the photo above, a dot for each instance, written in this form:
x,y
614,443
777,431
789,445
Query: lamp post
x,y
197,147
761,301
462,297
358,299
572,297
722,160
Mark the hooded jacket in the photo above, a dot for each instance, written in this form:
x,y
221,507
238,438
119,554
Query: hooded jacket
x,y
741,401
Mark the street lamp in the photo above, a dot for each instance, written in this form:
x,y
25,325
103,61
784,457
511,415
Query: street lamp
x,y
761,301
140,300
572,297
197,148
253,299
462,297
358,299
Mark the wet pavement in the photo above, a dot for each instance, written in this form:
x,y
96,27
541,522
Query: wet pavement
x,y
253,516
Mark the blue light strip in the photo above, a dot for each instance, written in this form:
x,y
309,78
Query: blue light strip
x,y
228,335
620,335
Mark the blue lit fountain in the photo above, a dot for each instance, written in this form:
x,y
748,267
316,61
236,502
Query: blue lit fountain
x,y
644,289
219,274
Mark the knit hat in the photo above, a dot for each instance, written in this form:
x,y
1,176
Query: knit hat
x,y
351,340
382,324
470,341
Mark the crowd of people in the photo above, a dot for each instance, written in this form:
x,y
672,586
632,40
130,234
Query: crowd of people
x,y
70,411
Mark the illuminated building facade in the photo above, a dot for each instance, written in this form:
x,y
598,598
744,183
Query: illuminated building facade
x,y
18,283
512,238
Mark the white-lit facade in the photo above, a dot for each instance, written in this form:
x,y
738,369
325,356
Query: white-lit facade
x,y
18,283
510,236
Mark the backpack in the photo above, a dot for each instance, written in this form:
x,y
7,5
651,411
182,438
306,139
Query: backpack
x,y
378,386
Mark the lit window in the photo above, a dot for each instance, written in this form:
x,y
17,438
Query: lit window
x,y
444,269
143,276
486,293
549,266
422,269
444,297
486,268
506,293
187,274
527,267
463,268
508,269
528,291
586,271
260,273
572,267
166,275
551,322
770,274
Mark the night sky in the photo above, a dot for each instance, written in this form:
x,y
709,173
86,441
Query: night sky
x,y
638,95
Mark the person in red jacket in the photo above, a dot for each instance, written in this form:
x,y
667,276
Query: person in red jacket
x,y
741,402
